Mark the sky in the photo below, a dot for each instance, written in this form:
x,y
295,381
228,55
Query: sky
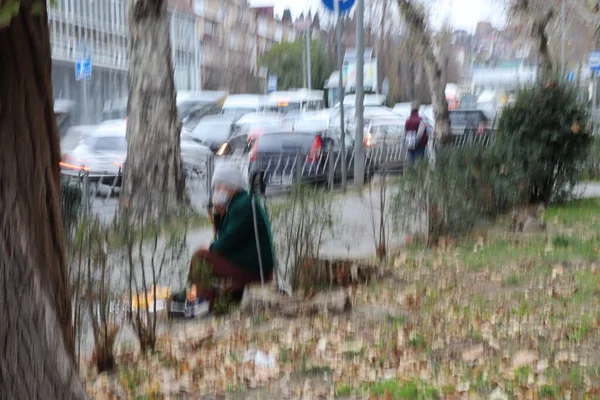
x,y
462,14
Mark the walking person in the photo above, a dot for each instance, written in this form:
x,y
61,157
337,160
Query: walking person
x,y
416,136
233,256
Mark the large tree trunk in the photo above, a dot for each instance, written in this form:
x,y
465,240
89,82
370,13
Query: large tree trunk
x,y
154,184
544,60
36,330
415,19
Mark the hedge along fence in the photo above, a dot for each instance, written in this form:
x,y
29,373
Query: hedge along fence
x,y
539,155
467,187
71,203
591,167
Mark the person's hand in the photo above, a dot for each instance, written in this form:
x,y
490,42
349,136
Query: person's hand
x,y
205,246
219,209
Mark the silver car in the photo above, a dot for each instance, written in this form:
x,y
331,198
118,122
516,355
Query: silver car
x,y
102,151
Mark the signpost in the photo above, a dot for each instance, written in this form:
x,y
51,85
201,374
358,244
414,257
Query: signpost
x,y
594,65
570,77
83,72
359,149
338,7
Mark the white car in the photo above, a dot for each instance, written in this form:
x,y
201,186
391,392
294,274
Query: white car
x,y
102,151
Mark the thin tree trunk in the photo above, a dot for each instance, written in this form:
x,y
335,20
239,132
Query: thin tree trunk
x,y
416,21
36,329
544,59
154,183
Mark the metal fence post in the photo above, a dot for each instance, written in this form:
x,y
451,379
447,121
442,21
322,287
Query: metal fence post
x,y
331,165
298,168
86,194
210,168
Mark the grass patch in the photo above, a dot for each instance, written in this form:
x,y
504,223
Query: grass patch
x,y
417,342
513,279
575,212
318,370
548,392
343,390
403,390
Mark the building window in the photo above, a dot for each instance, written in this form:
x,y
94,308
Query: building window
x,y
199,7
208,27
278,33
262,27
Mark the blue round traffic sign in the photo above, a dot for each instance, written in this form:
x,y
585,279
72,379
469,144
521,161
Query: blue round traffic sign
x,y
344,5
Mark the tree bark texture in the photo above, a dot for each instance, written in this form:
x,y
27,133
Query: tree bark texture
x,y
415,18
154,184
37,351
544,59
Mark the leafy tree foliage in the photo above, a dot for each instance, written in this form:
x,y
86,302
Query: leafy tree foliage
x,y
285,60
544,136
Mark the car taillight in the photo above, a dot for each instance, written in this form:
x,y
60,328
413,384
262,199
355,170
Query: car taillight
x,y
315,151
481,128
73,163
368,140
255,134
254,151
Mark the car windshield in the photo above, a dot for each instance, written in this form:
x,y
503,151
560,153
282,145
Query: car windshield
x,y
388,130
313,124
113,144
285,142
185,107
211,130
238,111
259,125
72,139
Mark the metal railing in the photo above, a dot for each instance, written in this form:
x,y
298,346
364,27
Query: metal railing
x,y
286,169
100,190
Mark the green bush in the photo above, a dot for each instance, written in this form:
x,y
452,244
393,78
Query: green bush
x,y
544,137
71,199
592,166
539,154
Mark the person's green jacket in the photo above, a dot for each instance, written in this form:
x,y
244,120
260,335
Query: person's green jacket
x,y
236,238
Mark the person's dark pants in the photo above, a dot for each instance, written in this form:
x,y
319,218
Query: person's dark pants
x,y
414,156
207,269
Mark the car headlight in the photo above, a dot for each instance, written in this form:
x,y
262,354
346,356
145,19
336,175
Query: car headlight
x,y
222,149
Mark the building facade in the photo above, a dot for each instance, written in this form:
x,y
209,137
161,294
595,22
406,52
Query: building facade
x,y
102,26
235,37
216,44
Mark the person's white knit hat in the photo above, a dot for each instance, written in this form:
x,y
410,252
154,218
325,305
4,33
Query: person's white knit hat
x,y
230,175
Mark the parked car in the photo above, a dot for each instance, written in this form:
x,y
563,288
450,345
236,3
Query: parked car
x,y
102,152
212,131
384,130
384,142
74,135
191,106
238,105
63,112
469,122
279,154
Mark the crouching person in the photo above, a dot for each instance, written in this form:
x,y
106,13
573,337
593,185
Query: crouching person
x,y
233,257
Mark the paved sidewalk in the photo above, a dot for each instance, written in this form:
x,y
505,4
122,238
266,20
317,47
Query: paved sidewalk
x,y
590,189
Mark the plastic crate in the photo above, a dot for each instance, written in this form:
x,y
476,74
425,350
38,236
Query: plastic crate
x,y
188,309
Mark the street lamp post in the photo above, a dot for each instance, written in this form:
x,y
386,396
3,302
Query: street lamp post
x,y
563,38
359,155
340,63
